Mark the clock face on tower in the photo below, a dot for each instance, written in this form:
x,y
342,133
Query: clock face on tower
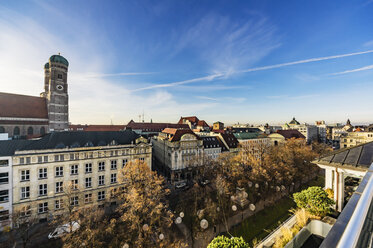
x,y
59,87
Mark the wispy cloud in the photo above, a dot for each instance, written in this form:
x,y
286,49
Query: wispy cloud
x,y
269,67
292,97
368,43
225,43
177,83
102,75
207,98
368,67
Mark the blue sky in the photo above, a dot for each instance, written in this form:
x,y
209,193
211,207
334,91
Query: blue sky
x,y
220,60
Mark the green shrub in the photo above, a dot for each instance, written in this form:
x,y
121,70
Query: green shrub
x,y
225,242
314,200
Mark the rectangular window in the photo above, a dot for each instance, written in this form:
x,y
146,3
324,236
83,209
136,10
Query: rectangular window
x,y
113,164
124,162
62,157
59,187
59,171
74,169
101,166
43,207
101,195
72,155
88,168
40,159
74,184
26,211
142,160
43,189
21,160
101,180
4,195
4,215
25,175
4,163
88,198
88,182
58,204
28,160
56,158
59,76
45,159
25,192
4,177
113,178
74,201
43,173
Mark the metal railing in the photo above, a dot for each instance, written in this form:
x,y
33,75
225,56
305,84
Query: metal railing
x,y
351,234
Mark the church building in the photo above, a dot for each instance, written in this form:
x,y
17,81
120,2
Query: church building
x,y
31,116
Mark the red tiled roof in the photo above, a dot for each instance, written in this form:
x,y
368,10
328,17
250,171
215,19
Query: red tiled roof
x,y
202,123
192,119
177,133
153,127
291,133
21,106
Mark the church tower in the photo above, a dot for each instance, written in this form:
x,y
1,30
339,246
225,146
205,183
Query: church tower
x,y
56,93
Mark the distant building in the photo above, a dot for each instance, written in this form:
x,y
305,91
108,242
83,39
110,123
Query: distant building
x,y
351,139
152,128
22,115
177,152
211,147
194,123
321,131
218,126
282,135
310,132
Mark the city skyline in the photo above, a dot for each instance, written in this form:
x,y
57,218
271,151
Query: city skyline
x,y
247,62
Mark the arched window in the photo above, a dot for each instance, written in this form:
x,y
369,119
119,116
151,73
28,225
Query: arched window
x,y
16,131
30,131
2,129
42,130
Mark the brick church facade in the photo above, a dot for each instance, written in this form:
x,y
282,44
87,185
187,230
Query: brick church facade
x,y
30,116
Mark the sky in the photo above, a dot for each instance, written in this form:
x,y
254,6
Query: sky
x,y
231,61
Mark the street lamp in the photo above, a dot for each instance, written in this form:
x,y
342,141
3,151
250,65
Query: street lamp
x,y
161,236
252,207
126,246
178,220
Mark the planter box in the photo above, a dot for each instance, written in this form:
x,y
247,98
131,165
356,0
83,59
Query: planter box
x,y
315,227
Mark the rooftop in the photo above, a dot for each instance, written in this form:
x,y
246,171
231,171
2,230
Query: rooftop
x,y
22,106
60,140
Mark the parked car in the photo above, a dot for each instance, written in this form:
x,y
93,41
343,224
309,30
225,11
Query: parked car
x,y
180,185
63,229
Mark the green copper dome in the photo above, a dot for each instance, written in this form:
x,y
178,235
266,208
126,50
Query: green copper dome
x,y
294,122
46,66
59,59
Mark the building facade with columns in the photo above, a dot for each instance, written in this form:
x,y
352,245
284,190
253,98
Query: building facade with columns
x,y
350,162
22,115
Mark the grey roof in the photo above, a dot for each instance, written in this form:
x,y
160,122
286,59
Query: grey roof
x,y
60,140
360,156
8,147
210,142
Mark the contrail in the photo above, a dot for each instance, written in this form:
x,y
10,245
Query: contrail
x,y
368,67
304,61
